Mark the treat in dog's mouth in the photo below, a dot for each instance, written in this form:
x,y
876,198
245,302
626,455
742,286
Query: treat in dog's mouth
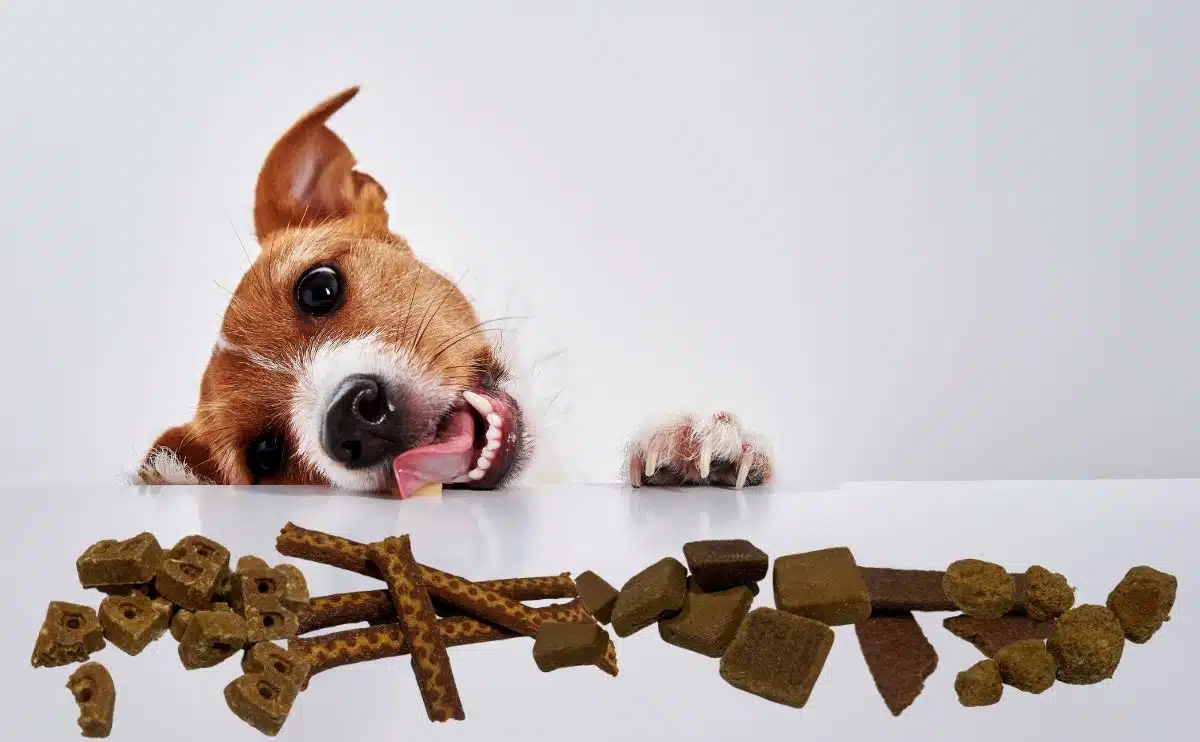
x,y
475,446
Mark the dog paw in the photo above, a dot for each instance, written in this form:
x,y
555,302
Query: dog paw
x,y
699,450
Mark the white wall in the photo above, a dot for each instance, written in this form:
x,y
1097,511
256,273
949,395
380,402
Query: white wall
x,y
904,239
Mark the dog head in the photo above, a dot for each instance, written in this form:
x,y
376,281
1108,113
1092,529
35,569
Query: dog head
x,y
342,358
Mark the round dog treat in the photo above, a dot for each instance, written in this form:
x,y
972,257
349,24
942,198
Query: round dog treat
x,y
1086,644
1047,594
980,588
1027,666
979,684
1142,601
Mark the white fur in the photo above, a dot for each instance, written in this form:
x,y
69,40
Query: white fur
x,y
162,466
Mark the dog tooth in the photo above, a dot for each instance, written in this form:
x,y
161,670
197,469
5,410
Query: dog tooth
x,y
492,445
494,434
488,453
476,474
743,470
483,463
494,420
481,405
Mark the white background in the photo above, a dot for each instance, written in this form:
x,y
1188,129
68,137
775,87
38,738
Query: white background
x,y
934,240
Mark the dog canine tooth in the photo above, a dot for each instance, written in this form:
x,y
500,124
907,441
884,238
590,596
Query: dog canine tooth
x,y
481,405
743,470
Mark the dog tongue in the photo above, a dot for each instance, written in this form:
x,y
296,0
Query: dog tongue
x,y
451,456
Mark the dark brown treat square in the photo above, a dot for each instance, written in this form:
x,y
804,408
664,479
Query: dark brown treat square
x,y
211,638
655,592
131,622
777,656
989,635
560,645
295,595
708,621
94,692
133,561
824,585
203,549
898,655
268,620
597,595
906,589
722,564
263,696
69,634
253,584
188,582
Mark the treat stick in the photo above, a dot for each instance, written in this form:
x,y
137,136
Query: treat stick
x,y
418,625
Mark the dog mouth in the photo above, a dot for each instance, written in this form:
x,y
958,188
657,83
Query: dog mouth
x,y
475,446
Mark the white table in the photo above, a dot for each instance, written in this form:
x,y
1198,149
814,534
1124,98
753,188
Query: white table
x,y
1091,531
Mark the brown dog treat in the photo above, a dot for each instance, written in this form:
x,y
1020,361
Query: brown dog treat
x,y
295,588
1087,643
250,562
777,656
1047,594
188,581
989,635
824,585
980,589
708,621
654,593
1142,601
1026,666
979,684
598,596
211,638
267,620
430,660
340,609
69,634
132,622
179,623
722,564
202,548
918,590
264,694
559,645
144,588
94,692
254,585
133,561
898,655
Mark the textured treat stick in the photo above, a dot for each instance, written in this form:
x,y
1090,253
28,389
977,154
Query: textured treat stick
x,y
919,590
430,661
991,635
898,655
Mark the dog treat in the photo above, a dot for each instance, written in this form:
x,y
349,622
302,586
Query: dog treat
x,y
825,585
295,588
989,635
133,561
143,588
188,581
559,645
430,661
1026,665
1086,643
250,562
1142,601
655,592
708,621
1047,594
254,584
202,548
979,684
132,622
211,638
777,656
263,695
69,634
898,655
722,564
598,596
980,589
94,692
919,590
183,617
268,620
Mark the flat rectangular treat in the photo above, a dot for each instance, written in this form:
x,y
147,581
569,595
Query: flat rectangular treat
x,y
898,655
720,564
560,645
708,621
69,634
918,590
654,593
132,622
824,585
94,692
133,561
989,635
598,595
777,656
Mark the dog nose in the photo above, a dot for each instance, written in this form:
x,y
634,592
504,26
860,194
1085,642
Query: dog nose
x,y
360,424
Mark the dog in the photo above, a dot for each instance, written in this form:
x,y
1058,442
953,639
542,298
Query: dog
x,y
344,361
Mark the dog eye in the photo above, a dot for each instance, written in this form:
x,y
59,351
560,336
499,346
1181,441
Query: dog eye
x,y
264,455
319,291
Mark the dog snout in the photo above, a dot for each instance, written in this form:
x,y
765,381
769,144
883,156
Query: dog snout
x,y
361,425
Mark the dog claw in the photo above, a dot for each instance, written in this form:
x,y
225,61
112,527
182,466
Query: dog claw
x,y
705,462
743,470
635,470
651,462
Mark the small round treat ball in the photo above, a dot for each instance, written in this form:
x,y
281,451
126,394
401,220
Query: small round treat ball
x,y
979,684
980,588
1086,643
1142,601
1026,665
1047,594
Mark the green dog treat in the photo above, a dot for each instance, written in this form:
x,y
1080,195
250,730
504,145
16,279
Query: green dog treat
x,y
559,645
597,595
267,620
980,589
69,634
777,656
722,564
211,638
1027,666
263,696
133,561
295,595
1047,594
1087,643
825,586
94,692
980,684
1142,601
133,621
708,621
655,592
188,582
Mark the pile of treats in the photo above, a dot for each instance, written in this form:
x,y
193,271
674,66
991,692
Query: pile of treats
x,y
1026,625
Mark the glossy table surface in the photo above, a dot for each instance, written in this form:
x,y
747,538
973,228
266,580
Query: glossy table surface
x,y
1090,531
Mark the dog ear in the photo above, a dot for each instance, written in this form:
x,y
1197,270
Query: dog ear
x,y
178,458
309,178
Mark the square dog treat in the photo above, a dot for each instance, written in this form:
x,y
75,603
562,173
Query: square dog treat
x,y
825,586
295,595
898,655
722,564
708,621
777,656
254,584
560,645
202,548
655,592
211,638
597,595
94,692
188,582
263,696
132,622
267,620
133,561
69,634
